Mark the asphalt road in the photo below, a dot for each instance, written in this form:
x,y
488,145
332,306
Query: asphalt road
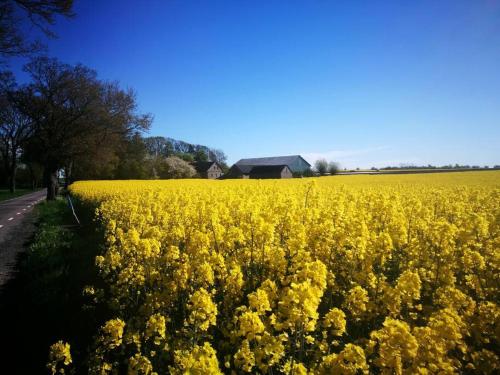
x,y
16,225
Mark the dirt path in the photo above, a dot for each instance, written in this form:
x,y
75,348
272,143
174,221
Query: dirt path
x,y
16,226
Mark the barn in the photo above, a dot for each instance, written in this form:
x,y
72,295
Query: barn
x,y
269,166
296,163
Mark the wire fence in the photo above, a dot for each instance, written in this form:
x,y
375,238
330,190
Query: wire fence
x,y
70,203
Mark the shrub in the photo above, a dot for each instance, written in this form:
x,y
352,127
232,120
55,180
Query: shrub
x,y
321,166
333,167
174,167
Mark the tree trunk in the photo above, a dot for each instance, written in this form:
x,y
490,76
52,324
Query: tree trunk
x,y
12,180
13,172
67,174
32,176
52,186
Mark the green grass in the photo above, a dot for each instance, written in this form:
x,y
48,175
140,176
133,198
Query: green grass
x,y
6,194
43,304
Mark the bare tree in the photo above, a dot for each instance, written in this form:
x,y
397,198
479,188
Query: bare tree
x,y
219,156
41,13
158,146
164,147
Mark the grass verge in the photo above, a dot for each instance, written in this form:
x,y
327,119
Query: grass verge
x,y
43,303
6,194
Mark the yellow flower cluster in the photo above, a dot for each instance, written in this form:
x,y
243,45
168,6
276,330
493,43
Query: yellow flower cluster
x,y
59,357
347,275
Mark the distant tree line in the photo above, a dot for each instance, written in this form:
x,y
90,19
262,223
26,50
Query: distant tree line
x,y
429,166
323,167
151,158
168,147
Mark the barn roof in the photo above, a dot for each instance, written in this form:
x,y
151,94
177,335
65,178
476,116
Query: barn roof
x,y
272,160
245,169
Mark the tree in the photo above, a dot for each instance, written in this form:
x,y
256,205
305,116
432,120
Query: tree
x,y
219,156
123,157
158,146
161,146
132,162
333,167
75,115
15,128
174,167
321,166
34,169
186,156
200,155
40,13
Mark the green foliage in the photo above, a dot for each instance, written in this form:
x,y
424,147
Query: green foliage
x,y
185,156
200,155
131,161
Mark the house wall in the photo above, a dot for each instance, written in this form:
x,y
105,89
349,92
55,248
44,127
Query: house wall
x,y
214,172
286,173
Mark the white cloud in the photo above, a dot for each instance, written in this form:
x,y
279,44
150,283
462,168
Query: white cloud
x,y
345,157
378,157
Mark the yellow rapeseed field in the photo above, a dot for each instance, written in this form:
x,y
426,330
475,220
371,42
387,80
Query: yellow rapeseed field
x,y
332,275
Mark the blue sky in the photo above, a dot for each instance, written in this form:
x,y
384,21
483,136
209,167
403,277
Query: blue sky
x,y
365,83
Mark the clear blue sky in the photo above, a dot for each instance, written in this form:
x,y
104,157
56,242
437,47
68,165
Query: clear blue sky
x,y
366,83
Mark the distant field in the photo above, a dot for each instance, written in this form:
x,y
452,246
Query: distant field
x,y
411,170
478,178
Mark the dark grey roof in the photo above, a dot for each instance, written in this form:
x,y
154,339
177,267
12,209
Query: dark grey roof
x,y
245,169
273,160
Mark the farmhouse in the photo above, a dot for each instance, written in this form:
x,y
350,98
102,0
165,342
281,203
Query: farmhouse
x,y
269,167
208,169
